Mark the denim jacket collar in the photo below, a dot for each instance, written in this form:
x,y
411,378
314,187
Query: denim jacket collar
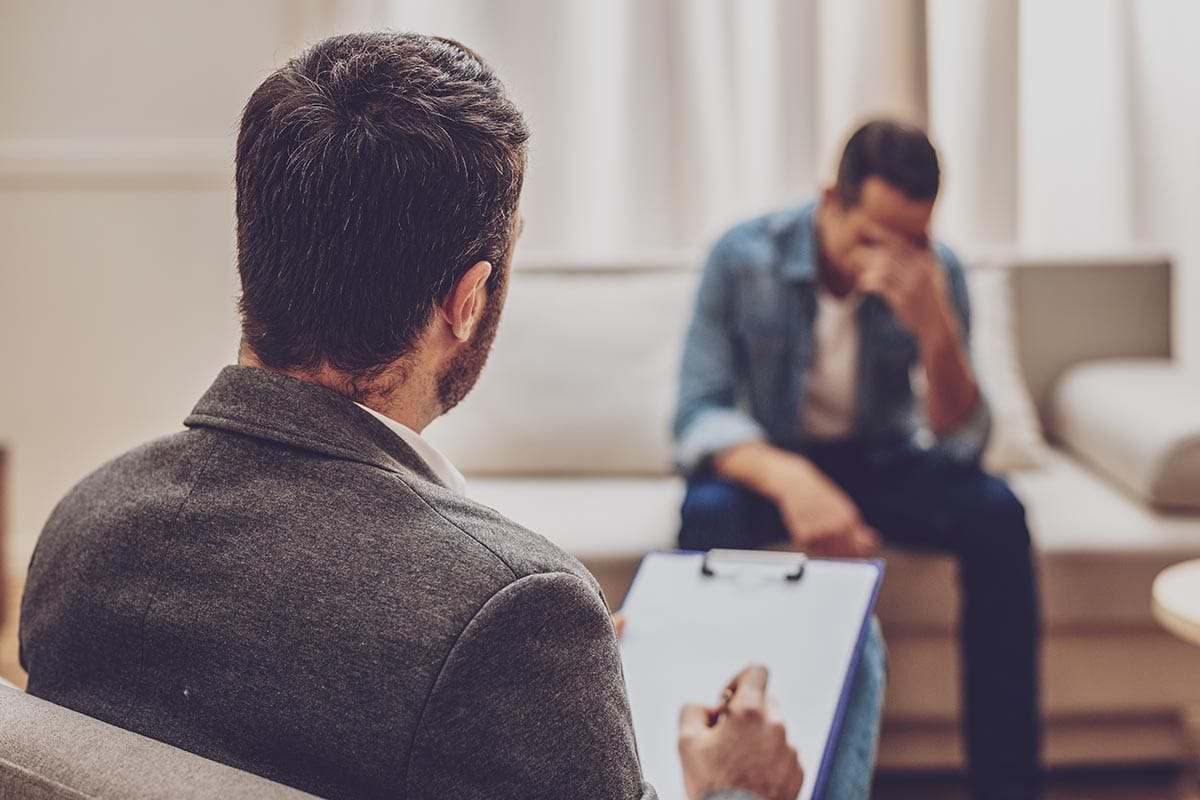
x,y
800,226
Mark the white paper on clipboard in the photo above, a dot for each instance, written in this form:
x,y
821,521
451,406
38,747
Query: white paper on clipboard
x,y
687,634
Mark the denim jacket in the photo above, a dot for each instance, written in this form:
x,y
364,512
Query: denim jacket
x,y
750,346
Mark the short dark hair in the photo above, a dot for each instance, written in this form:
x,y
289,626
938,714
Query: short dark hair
x,y
900,154
373,171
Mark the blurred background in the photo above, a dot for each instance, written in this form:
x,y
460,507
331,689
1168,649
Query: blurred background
x,y
1065,127
1062,124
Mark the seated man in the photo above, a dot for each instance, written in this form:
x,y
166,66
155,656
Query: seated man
x,y
295,585
795,422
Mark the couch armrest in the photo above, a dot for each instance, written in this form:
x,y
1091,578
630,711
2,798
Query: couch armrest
x,y
1138,422
48,751
1070,310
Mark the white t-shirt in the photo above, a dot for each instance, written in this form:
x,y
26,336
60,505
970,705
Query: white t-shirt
x,y
831,386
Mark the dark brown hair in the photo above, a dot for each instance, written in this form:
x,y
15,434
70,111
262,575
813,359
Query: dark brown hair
x,y
900,154
372,172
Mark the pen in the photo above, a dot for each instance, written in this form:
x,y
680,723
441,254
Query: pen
x,y
723,707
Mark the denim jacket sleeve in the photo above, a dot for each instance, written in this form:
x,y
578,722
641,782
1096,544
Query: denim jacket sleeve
x,y
707,419
964,444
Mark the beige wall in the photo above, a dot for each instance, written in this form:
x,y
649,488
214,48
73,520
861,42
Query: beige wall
x,y
117,279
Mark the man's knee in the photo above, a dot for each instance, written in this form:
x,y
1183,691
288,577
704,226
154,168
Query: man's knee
x,y
713,515
854,760
996,522
874,667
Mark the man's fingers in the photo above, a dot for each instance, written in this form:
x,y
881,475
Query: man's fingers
x,y
848,539
774,713
831,537
749,689
837,527
868,538
874,281
694,718
756,674
884,237
618,619
879,275
826,548
839,547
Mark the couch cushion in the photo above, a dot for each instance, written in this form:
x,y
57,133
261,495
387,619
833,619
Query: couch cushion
x,y
1099,549
595,519
1138,421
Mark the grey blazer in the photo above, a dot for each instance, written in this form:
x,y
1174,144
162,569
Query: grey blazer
x,y
285,587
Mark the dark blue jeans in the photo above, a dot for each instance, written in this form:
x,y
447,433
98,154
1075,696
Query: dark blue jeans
x,y
919,500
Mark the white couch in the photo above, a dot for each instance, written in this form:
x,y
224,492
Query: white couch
x,y
567,433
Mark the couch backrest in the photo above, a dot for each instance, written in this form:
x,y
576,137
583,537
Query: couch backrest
x,y
48,752
583,375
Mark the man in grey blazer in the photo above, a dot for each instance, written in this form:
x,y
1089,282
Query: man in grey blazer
x,y
294,585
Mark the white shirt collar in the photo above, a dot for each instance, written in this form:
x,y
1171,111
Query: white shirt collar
x,y
446,472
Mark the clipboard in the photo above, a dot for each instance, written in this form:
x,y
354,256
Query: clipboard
x,y
694,620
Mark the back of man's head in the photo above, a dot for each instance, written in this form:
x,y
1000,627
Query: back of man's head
x,y
372,172
899,154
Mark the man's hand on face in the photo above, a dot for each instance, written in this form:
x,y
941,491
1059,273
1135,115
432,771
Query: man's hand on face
x,y
820,518
909,279
739,744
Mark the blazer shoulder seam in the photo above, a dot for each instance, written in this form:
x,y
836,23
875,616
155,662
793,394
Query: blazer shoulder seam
x,y
404,480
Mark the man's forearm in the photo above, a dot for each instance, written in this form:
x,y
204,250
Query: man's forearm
x,y
952,395
759,466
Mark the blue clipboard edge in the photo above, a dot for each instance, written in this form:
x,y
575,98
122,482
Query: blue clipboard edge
x,y
839,714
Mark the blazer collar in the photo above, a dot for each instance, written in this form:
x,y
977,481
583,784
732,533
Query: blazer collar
x,y
268,405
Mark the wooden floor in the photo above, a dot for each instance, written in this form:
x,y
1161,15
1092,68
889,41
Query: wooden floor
x,y
1143,784
1125,784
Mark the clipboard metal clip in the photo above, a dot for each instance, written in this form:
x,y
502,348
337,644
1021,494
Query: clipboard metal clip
x,y
719,557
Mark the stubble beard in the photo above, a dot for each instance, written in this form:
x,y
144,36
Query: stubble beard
x,y
461,374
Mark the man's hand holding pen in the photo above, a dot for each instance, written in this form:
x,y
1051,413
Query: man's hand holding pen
x,y
739,743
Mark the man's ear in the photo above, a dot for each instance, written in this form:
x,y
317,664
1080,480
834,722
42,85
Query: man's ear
x,y
463,305
830,199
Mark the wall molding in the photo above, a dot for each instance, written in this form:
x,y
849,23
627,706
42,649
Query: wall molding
x,y
51,163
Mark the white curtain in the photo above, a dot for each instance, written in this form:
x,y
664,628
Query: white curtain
x,y
659,122
1072,125
1063,124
